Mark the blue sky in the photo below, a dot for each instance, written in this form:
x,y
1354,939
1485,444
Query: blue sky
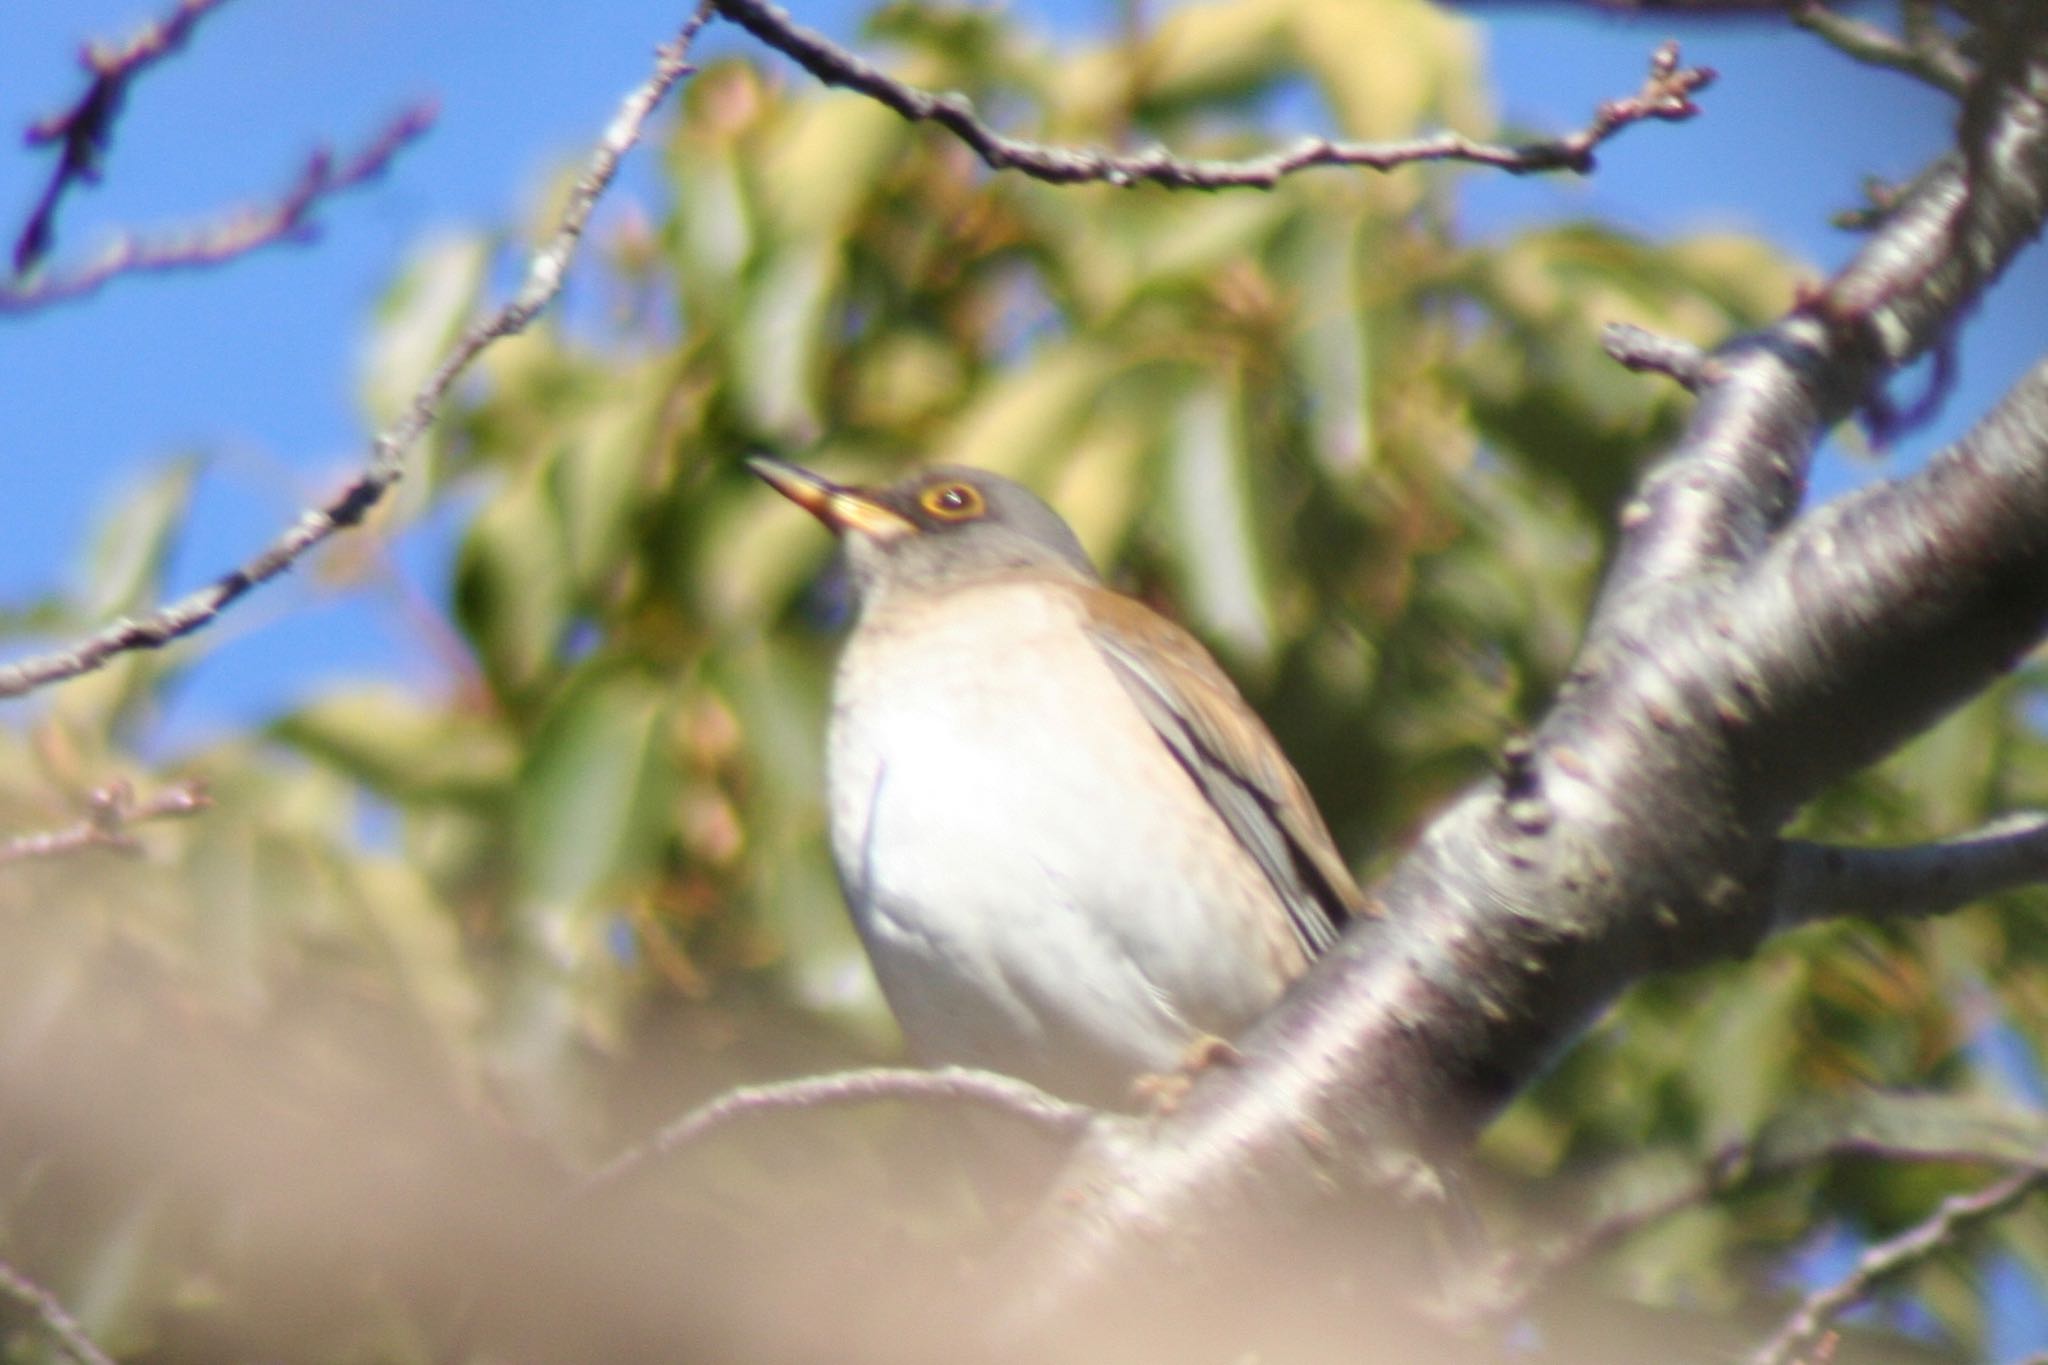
x,y
258,365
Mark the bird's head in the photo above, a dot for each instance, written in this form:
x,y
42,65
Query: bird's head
x,y
938,528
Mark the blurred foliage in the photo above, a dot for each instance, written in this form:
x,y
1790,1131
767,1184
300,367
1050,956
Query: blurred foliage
x,y
584,882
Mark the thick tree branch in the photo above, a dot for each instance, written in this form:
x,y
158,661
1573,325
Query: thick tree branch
x,y
953,1086
1882,610
83,131
1737,476
544,275
1732,671
1820,881
1956,1217
1666,94
1956,231
289,219
1923,51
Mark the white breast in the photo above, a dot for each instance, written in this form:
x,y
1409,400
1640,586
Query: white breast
x,y
1040,886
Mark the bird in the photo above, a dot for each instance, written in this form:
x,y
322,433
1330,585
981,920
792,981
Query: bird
x,y
1072,851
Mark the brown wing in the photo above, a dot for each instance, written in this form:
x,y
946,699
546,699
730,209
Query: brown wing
x,y
1232,757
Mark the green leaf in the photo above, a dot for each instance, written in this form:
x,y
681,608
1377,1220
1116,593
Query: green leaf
x,y
403,747
601,484
417,320
1213,518
591,801
776,356
124,573
513,589
419,932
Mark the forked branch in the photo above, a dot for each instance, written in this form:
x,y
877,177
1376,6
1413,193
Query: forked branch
x,y
1666,94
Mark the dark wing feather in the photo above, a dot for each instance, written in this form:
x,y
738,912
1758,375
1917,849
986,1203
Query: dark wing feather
x,y
1232,757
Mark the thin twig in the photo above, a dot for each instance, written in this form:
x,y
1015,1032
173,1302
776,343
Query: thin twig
x,y
1666,94
84,130
544,275
1614,1205
238,234
1646,352
113,811
947,1085
64,1329
1955,1216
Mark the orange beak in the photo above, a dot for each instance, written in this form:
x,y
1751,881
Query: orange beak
x,y
841,508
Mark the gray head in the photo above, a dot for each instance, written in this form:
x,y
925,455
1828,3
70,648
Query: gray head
x,y
940,527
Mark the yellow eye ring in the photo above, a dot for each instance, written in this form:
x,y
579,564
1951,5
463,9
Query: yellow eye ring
x,y
953,501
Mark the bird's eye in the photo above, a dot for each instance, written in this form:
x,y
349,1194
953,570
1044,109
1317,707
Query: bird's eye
x,y
952,501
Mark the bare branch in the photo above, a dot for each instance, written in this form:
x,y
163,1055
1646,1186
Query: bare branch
x,y
1666,94
84,130
249,229
1955,1217
1958,228
1923,52
1881,610
1607,1208
952,1085
114,810
544,275
1718,497
1647,353
1818,881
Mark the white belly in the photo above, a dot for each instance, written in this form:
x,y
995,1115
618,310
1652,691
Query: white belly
x,y
1041,887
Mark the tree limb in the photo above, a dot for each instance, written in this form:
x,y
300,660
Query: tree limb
x,y
1922,52
83,131
1737,476
1819,881
1882,610
1957,1215
1720,687
1666,94
1606,1208
545,272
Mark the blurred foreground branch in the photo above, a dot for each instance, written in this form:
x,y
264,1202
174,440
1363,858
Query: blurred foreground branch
x,y
952,1085
64,1329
